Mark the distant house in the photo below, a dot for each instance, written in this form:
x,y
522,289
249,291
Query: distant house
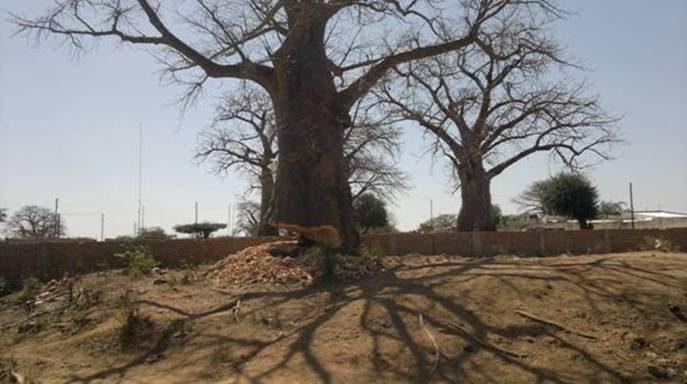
x,y
657,219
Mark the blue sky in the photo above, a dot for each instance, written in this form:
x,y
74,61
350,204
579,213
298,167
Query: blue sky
x,y
69,126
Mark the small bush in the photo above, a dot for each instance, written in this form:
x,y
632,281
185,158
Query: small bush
x,y
133,327
29,289
372,253
5,287
139,260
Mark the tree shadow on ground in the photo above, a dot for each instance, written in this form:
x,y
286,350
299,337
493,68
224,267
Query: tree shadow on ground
x,y
409,307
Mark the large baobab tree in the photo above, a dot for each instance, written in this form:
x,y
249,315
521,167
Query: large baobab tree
x,y
315,58
33,222
243,137
488,106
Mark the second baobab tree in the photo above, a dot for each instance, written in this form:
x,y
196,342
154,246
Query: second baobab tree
x,y
315,58
497,102
243,138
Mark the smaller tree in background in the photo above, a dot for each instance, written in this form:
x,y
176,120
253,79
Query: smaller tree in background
x,y
449,222
34,222
611,208
533,199
200,230
496,214
516,222
153,233
249,219
370,213
441,223
3,214
572,195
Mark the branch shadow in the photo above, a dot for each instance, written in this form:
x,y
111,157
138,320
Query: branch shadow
x,y
391,303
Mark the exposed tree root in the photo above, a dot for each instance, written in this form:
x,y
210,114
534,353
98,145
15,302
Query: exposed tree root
x,y
554,324
464,332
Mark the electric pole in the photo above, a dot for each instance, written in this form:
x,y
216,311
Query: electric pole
x,y
632,208
196,206
102,227
431,214
229,220
140,177
57,218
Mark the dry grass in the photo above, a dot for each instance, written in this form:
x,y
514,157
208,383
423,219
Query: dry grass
x,y
424,319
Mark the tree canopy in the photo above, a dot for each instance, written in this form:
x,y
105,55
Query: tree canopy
x,y
153,233
370,212
441,223
315,58
200,230
494,103
34,222
570,195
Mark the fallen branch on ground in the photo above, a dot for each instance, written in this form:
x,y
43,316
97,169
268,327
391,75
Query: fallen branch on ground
x,y
438,354
484,343
554,324
464,332
237,310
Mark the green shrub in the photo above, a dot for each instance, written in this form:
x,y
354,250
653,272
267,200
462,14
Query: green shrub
x,y
30,287
132,327
139,260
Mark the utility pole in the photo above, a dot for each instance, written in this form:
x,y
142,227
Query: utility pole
x,y
143,218
632,208
431,213
196,205
102,227
57,219
229,220
140,177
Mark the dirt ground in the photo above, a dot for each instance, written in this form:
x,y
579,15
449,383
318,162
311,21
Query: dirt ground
x,y
618,318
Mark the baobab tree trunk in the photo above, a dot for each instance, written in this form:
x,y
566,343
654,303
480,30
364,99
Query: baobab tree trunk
x,y
266,198
475,211
312,196
584,224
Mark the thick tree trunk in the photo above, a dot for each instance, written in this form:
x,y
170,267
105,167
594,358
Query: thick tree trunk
x,y
584,224
266,198
312,195
475,212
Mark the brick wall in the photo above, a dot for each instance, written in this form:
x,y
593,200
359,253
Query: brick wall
x,y
54,259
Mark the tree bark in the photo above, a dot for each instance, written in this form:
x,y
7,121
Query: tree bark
x,y
475,212
584,224
312,195
266,199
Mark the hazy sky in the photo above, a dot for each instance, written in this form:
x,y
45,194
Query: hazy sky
x,y
69,126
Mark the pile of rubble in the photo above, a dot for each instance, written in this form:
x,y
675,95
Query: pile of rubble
x,y
286,262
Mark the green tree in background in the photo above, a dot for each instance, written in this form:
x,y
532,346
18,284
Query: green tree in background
x,y
441,223
370,212
153,233
199,230
533,199
572,195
